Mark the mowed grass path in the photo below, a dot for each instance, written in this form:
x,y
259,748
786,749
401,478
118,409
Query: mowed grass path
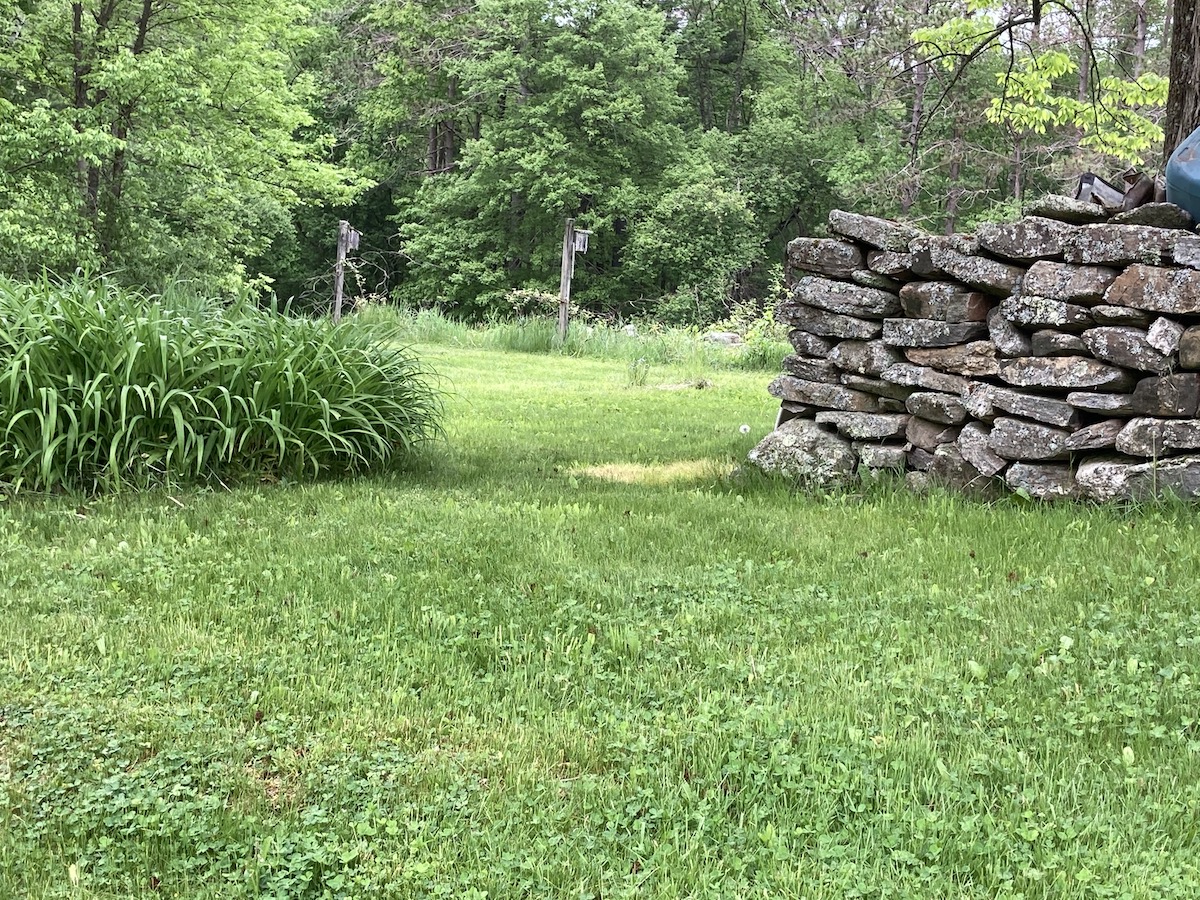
x,y
568,656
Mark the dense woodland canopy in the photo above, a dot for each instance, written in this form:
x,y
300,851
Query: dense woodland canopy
x,y
220,142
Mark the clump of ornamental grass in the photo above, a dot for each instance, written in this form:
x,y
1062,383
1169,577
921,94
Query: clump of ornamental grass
x,y
102,388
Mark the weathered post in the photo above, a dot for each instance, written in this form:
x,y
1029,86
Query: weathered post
x,y
339,269
564,284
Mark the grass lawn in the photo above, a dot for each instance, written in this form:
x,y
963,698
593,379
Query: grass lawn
x,y
570,657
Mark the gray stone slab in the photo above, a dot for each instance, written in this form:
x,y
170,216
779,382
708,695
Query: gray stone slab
x,y
1104,314
1121,404
826,396
985,401
1027,240
1081,285
946,409
807,344
1100,436
1157,215
926,435
1164,335
975,359
1042,312
1043,481
1189,348
811,369
1018,439
1170,291
1118,479
1153,437
879,233
881,456
823,323
1064,373
1172,396
930,333
1008,338
1065,209
890,263
945,301
864,357
1048,342
865,426
1120,245
846,299
987,275
825,256
975,447
1127,347
878,387
803,450
924,377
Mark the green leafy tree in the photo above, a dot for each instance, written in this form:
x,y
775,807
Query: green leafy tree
x,y
155,139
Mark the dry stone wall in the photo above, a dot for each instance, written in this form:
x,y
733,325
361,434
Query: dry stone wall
x,y
1058,355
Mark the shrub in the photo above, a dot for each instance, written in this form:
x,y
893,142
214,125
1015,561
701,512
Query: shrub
x,y
101,388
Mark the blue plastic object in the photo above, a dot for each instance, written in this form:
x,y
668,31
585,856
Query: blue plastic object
x,y
1183,175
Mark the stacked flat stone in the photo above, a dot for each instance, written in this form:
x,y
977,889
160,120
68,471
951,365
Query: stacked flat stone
x,y
1058,355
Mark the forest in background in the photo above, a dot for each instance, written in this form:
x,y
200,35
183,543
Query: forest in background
x,y
219,144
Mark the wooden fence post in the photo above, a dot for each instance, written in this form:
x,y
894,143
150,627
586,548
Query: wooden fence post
x,y
564,284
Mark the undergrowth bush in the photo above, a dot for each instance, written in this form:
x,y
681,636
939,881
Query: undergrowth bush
x,y
102,388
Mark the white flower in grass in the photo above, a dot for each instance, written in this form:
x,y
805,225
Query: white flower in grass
x,y
745,429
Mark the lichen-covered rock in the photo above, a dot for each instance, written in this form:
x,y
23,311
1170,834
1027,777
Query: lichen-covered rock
x,y
864,357
929,332
1008,338
1029,239
865,426
1120,245
811,369
929,435
825,256
826,396
1042,481
1172,291
808,344
1064,373
983,400
1173,396
944,408
1121,404
1104,314
975,359
945,301
803,450
890,263
1118,479
881,456
1042,312
1128,347
1082,285
1155,437
949,468
1156,215
1187,252
878,387
870,279
1164,335
923,377
823,323
1065,209
846,299
987,275
976,449
879,233
1048,342
1018,439
1189,348
1099,436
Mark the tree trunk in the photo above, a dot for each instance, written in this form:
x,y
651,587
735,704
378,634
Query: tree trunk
x,y
1183,101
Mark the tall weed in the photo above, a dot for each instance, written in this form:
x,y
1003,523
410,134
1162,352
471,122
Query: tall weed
x,y
101,388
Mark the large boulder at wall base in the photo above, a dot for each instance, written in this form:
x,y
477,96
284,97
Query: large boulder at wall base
x,y
803,450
